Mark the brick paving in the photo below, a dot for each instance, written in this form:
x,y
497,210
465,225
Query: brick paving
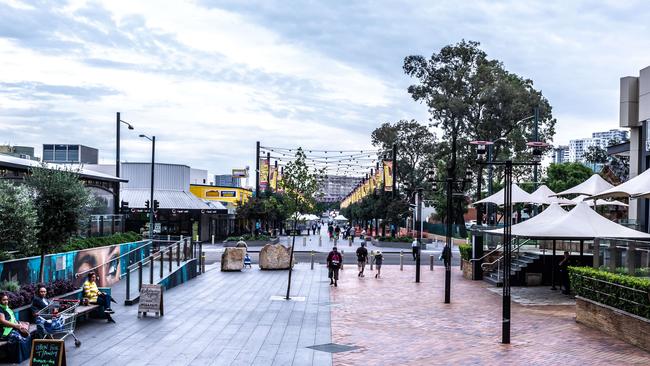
x,y
395,321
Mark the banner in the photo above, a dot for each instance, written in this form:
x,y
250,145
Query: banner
x,y
264,174
274,178
388,175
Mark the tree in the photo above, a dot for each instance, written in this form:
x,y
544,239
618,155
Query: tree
x,y
560,177
61,203
18,219
300,185
470,97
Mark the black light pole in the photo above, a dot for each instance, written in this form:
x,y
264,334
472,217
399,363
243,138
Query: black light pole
x,y
118,121
419,248
153,162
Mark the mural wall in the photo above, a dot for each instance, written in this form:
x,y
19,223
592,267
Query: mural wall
x,y
66,265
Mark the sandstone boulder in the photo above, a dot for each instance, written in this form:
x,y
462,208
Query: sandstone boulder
x,y
274,256
232,259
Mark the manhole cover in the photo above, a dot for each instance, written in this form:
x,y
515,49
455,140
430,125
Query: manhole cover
x,y
333,348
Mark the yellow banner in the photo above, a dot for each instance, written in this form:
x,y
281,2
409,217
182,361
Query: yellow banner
x,y
264,173
388,175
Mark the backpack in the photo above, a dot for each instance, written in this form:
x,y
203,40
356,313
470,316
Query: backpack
x,y
336,259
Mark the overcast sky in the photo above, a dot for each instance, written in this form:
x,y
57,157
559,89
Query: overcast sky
x,y
209,78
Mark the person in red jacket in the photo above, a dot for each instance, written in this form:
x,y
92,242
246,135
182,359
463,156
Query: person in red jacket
x,y
334,263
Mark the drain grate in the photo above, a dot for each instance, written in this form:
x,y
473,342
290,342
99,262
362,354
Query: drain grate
x,y
333,347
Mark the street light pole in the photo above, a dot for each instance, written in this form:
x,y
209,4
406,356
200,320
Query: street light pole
x,y
118,121
153,164
419,247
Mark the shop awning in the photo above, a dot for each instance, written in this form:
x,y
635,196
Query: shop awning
x,y
170,199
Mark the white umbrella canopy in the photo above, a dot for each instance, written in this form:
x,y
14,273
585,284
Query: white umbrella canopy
x,y
546,196
637,187
340,218
552,213
518,196
582,223
594,185
598,202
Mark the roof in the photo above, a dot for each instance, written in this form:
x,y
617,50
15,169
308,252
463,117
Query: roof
x,y
226,187
594,185
638,186
25,164
168,199
580,223
545,195
550,214
597,202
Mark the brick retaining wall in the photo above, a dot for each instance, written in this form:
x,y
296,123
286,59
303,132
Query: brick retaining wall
x,y
620,324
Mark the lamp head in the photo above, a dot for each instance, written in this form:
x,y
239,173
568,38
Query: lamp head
x,y
130,127
431,175
143,136
481,148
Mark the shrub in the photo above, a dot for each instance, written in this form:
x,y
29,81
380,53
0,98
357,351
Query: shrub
x,y
12,286
465,251
396,239
93,242
246,237
23,295
616,290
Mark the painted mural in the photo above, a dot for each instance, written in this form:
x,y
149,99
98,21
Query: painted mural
x,y
66,265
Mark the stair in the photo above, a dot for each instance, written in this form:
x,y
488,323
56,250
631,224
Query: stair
x,y
517,264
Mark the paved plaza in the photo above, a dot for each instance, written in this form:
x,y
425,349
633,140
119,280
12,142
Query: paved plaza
x,y
229,319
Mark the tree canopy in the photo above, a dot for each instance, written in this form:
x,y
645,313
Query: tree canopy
x,y
18,219
560,177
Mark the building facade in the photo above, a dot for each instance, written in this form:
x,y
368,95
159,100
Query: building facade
x,y
69,154
23,152
335,188
226,180
561,154
635,115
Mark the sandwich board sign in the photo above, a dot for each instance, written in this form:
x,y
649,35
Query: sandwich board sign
x,y
151,300
49,352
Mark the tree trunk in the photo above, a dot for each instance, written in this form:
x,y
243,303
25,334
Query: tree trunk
x,y
41,271
293,243
460,220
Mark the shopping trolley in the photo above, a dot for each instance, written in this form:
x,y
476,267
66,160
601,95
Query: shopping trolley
x,y
58,318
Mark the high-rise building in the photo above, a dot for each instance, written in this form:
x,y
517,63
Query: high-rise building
x,y
611,135
334,188
578,147
23,152
561,154
69,154
226,180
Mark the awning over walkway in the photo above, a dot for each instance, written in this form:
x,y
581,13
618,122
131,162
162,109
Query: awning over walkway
x,y
550,214
580,223
594,185
170,199
518,196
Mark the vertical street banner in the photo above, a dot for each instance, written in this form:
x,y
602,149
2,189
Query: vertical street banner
x,y
264,174
274,178
388,175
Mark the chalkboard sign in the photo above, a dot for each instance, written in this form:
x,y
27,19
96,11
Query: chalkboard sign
x,y
49,352
151,300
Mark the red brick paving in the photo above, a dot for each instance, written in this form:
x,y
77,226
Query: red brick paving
x,y
398,322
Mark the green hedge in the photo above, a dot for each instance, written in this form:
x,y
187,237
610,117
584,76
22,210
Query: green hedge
x,y
396,239
246,237
583,282
93,242
465,251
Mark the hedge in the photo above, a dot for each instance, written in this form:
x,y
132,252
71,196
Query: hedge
x,y
396,239
606,288
25,293
465,251
246,237
93,242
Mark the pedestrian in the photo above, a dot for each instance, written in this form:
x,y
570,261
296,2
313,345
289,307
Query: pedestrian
x,y
379,259
319,229
564,273
330,231
363,234
337,231
351,233
334,263
414,248
362,259
313,228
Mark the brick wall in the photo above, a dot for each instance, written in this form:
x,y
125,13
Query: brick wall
x,y
620,324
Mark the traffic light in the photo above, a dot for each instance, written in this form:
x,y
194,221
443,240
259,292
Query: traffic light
x,y
146,204
125,204
156,204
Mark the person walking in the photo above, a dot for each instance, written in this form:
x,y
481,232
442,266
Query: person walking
x,y
337,231
351,233
330,231
362,259
564,273
334,263
379,259
319,225
414,248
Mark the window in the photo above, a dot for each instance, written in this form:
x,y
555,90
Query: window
x,y
60,152
73,153
48,152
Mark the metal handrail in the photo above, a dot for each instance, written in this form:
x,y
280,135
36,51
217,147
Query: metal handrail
x,y
152,257
501,257
149,242
483,257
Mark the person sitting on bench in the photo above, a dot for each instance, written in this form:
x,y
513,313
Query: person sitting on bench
x,y
13,331
92,295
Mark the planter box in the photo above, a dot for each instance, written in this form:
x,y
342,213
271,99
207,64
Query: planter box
x,y
252,243
468,271
615,322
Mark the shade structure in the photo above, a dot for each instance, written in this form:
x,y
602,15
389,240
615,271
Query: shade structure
x,y
552,213
581,223
594,185
637,187
340,218
518,196
598,202
546,196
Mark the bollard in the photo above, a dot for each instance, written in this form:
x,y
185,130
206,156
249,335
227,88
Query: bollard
x,y
312,259
304,241
320,241
431,264
139,276
185,250
128,285
181,238
350,241
162,262
151,269
169,238
178,254
401,260
202,262
335,241
212,239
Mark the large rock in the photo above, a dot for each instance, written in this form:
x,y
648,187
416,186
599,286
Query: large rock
x,y
232,259
274,256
